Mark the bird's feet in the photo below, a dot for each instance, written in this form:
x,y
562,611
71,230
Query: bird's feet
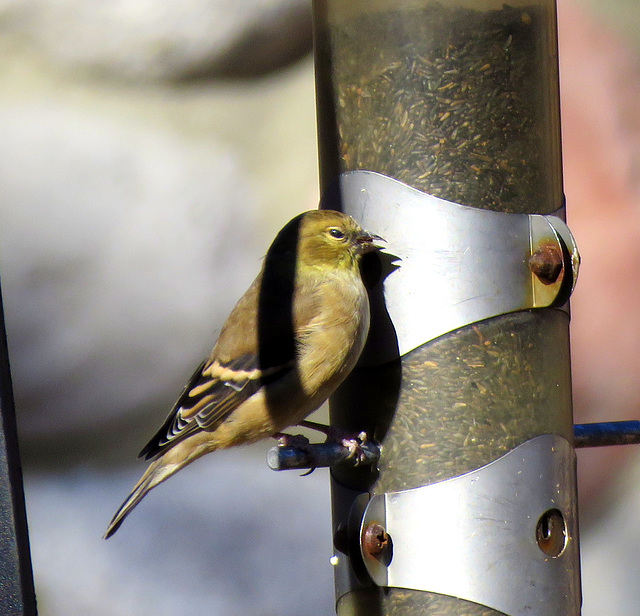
x,y
296,452
347,439
292,440
300,442
354,445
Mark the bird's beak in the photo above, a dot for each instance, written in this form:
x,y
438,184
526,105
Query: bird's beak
x,y
365,242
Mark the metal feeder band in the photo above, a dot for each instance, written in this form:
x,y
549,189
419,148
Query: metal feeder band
x,y
503,536
458,264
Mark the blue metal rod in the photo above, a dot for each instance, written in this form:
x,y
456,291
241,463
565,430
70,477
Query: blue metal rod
x,y
606,433
328,454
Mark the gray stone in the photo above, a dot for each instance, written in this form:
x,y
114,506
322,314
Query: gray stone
x,y
172,39
122,250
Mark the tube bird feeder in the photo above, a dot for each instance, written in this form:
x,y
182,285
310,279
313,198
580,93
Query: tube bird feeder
x,y
438,128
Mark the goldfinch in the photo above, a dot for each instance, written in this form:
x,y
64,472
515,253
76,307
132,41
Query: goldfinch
x,y
289,342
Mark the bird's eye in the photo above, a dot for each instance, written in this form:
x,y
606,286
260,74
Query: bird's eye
x,y
336,233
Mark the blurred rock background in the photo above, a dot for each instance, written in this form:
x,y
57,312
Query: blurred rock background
x,y
150,152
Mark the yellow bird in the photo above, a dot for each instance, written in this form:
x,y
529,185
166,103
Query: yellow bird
x,y
287,345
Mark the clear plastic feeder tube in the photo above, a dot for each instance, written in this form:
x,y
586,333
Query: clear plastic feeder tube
x,y
458,99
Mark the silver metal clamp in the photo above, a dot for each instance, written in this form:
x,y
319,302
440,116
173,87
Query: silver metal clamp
x,y
504,535
458,264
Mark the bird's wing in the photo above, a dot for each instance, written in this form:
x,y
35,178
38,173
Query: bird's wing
x,y
211,395
257,345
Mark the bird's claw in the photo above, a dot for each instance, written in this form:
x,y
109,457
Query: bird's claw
x,y
298,441
354,445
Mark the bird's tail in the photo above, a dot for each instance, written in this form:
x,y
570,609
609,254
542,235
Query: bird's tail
x,y
160,470
156,473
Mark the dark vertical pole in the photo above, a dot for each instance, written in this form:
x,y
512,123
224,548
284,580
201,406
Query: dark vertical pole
x,y
458,100
17,595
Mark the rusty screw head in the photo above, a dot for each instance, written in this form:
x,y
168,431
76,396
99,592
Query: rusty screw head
x,y
546,263
375,541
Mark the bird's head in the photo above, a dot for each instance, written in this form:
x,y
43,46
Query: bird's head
x,y
327,237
